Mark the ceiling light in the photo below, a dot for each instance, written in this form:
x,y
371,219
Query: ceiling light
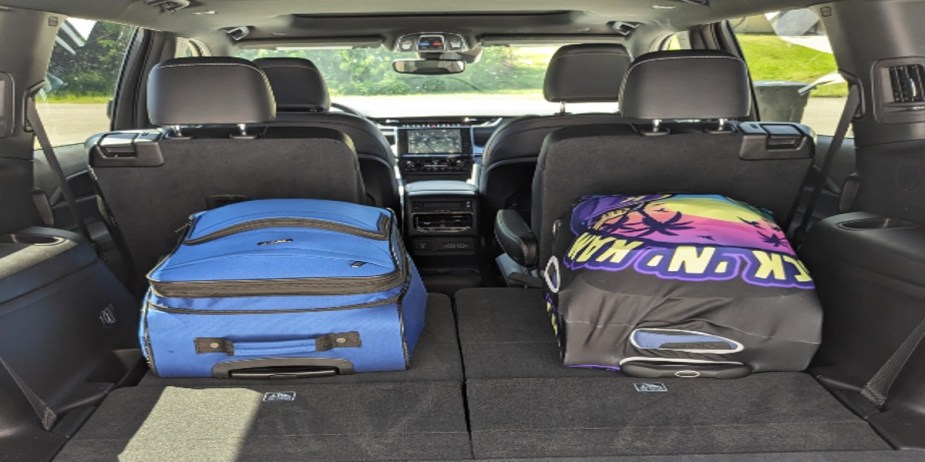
x,y
663,7
204,13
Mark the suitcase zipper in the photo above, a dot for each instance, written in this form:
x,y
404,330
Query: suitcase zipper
x,y
168,309
380,234
291,286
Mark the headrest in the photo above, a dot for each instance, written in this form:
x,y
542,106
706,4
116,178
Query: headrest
x,y
209,90
688,84
297,84
586,73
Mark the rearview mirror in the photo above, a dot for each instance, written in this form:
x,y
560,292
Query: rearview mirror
x,y
428,66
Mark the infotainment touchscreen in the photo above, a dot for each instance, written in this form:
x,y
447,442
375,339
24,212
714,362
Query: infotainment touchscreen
x,y
435,141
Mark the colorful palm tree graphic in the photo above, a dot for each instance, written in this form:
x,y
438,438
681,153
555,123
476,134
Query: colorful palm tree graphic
x,y
646,224
612,226
774,239
650,225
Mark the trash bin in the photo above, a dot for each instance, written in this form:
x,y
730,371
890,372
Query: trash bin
x,y
780,101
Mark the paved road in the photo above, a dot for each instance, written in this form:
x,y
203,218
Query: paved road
x,y
74,123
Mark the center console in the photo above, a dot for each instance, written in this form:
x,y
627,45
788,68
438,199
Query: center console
x,y
441,218
441,230
434,151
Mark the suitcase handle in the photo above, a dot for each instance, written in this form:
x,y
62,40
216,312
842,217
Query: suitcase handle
x,y
286,347
282,368
275,348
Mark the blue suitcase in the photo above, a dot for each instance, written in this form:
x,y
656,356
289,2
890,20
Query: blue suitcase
x,y
284,288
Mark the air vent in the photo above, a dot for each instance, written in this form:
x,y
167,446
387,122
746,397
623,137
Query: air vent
x,y
907,83
899,90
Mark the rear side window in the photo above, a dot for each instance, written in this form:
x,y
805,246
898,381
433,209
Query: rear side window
x,y
81,79
793,69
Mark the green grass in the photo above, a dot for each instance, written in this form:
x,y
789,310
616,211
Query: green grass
x,y
770,58
72,98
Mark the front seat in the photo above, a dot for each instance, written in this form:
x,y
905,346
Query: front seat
x,y
576,74
302,99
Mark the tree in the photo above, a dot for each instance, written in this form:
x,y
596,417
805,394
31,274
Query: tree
x,y
93,68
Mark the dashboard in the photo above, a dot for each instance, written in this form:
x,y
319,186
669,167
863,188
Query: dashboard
x,y
438,148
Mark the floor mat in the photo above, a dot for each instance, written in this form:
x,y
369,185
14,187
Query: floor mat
x,y
771,412
524,403
436,357
385,421
506,333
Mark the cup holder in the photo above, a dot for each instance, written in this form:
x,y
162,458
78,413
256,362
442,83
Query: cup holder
x,y
877,223
29,239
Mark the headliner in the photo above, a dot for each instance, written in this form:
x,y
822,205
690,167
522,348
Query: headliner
x,y
290,20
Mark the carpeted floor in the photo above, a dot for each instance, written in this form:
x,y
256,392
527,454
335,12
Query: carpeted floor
x,y
413,414
506,333
515,401
523,403
361,421
582,416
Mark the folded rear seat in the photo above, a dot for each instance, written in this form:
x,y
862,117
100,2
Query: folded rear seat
x,y
684,140
212,152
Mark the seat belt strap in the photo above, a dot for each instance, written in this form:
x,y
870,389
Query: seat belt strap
x,y
877,389
32,115
851,107
46,415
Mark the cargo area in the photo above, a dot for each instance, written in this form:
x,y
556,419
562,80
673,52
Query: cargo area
x,y
485,383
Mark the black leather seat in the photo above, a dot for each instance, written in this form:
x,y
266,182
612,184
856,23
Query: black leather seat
x,y
763,164
576,74
217,150
302,100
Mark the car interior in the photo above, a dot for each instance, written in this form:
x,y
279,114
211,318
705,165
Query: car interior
x,y
480,125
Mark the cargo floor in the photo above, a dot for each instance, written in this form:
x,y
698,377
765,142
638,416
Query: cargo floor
x,y
515,401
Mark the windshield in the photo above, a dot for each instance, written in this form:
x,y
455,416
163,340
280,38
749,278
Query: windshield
x,y
506,81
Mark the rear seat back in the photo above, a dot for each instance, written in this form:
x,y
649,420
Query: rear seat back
x,y
216,152
700,151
